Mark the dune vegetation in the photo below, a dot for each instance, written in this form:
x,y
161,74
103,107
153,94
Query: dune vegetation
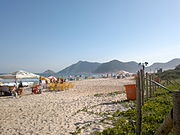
x,y
154,112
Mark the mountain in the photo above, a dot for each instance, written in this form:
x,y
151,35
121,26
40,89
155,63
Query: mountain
x,y
80,67
47,73
165,66
170,74
115,65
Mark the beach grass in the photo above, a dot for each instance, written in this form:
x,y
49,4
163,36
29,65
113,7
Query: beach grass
x,y
154,111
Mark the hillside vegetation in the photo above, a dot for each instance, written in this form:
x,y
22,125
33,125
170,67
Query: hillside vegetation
x,y
113,66
154,112
170,74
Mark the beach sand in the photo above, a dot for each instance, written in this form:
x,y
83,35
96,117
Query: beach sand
x,y
63,112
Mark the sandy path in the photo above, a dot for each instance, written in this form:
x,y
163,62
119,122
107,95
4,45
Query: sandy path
x,y
60,113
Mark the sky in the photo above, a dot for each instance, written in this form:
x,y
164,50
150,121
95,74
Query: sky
x,y
36,35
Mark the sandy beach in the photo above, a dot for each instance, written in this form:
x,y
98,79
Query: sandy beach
x,y
63,112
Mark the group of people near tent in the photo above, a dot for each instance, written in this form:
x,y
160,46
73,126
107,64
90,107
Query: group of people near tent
x,y
18,90
51,83
56,83
15,90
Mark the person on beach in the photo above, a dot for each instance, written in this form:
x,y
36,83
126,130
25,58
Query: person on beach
x,y
47,84
13,91
40,81
20,89
62,80
58,80
20,85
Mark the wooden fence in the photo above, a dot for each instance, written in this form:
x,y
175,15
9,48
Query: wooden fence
x,y
146,85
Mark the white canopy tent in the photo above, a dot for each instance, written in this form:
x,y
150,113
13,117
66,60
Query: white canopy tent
x,y
122,72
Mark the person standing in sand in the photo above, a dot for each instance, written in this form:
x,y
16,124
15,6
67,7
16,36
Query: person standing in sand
x,y
13,91
20,89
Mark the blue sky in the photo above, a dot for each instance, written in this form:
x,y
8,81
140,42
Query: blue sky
x,y
36,35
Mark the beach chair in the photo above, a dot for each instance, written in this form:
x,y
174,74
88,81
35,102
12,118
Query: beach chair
x,y
71,85
55,87
35,89
5,91
58,86
51,86
66,85
62,86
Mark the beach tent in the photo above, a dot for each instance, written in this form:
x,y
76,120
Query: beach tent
x,y
122,72
52,78
19,75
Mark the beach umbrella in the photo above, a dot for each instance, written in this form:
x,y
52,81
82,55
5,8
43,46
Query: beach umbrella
x,y
52,78
19,75
1,82
44,78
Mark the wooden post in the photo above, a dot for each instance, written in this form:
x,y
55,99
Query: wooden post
x,y
147,85
150,85
152,78
176,112
142,85
138,101
167,83
155,87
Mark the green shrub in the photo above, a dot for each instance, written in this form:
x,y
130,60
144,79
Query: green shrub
x,y
154,111
170,74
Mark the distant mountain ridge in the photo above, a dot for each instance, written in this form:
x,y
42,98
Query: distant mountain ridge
x,y
165,66
80,67
115,66
48,73
111,66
